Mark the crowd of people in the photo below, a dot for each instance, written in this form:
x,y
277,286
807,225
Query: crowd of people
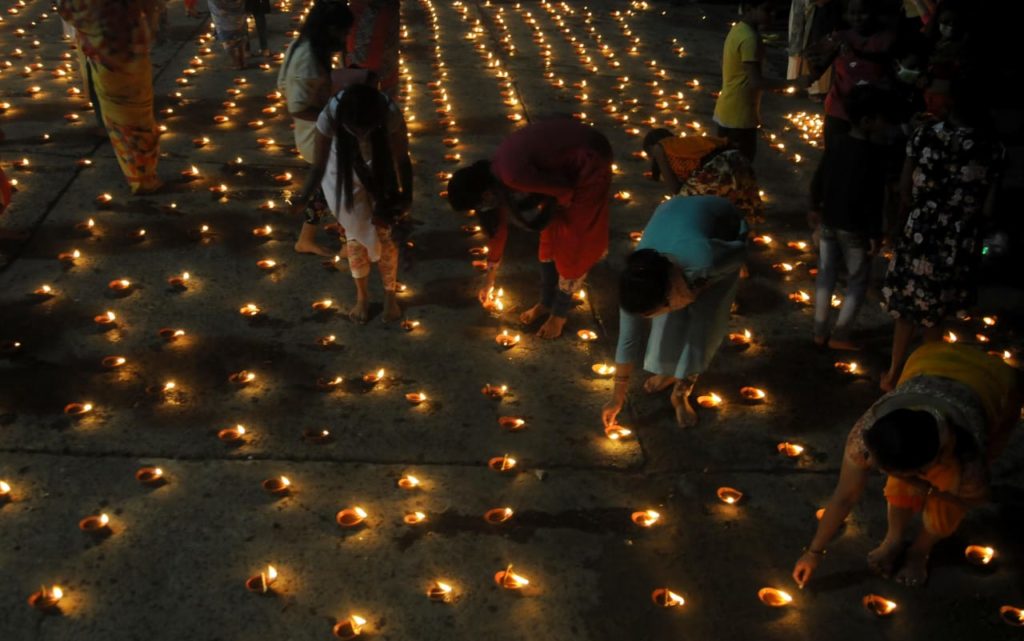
x,y
909,163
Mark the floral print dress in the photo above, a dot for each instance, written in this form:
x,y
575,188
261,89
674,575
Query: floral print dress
x,y
935,256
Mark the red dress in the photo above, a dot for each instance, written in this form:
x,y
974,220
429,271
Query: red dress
x,y
572,163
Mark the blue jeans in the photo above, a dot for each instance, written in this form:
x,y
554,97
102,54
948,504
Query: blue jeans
x,y
851,249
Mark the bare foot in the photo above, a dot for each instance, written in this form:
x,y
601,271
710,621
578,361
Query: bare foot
x,y
914,572
843,345
360,312
303,247
533,314
552,327
392,310
685,414
658,383
888,382
882,559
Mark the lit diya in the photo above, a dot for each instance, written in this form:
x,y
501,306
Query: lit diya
x,y
440,591
503,463
507,340
415,398
77,409
104,199
878,605
711,400
351,516
1011,615
847,368
46,599
263,232
646,518
783,268
249,309
260,584
623,196
510,580
603,369
318,437
5,491
979,554
119,285
774,597
666,598
323,305
242,377
741,339
232,435
587,335
44,291
69,257
617,432
798,245
279,486
498,515
350,628
150,476
170,335
791,450
413,518
267,264
409,325
327,341
800,297
511,423
191,173
97,524
753,394
763,240
495,391
326,384
373,378
408,482
729,495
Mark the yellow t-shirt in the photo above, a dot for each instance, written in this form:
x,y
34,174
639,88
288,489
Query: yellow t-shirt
x,y
739,103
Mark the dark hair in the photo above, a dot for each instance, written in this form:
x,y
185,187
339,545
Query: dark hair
x,y
363,107
466,187
316,29
868,101
644,283
903,440
653,137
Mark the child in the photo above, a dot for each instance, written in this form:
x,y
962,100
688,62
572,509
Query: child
x,y
259,9
848,196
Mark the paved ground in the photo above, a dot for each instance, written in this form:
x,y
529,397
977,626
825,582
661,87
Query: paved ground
x,y
176,562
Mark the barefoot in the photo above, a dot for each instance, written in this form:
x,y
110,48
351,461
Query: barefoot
x,y
843,345
360,312
882,560
533,314
392,310
888,382
685,414
914,572
552,327
658,383
303,247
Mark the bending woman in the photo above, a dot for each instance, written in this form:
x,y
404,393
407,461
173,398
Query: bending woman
x,y
934,436
675,296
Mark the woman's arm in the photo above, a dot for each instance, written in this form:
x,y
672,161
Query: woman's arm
x,y
669,176
321,153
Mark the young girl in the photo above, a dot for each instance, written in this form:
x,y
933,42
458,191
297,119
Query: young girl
x,y
362,163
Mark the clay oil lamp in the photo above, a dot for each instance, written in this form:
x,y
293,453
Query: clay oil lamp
x,y
623,196
587,335
950,337
351,517
665,598
603,369
86,226
409,325
84,162
242,378
327,384
323,305
496,392
119,285
774,598
762,240
878,605
151,476
103,200
76,410
783,268
729,495
44,292
232,435
416,398
264,231
262,582
170,335
1012,615
506,340
498,515
5,492
249,309
440,591
800,297
266,143
317,437
191,173
636,236
96,524
502,464
372,378
46,599
617,432
798,245
350,628
267,264
327,341
790,450
408,482
847,368
179,281
510,580
646,518
284,178
278,486
753,394
741,339
9,347
414,518
511,423
979,554
710,400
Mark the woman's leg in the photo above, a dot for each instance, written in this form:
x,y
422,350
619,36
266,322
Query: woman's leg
x,y
858,268
359,265
829,255
686,416
388,267
316,209
548,291
126,98
903,332
883,558
260,19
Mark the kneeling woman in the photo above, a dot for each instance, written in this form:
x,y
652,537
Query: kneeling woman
x,y
934,436
361,160
675,296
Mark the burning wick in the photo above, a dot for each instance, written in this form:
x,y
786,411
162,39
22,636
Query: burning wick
x,y
667,598
979,555
647,518
325,383
440,591
179,281
741,339
763,240
753,394
261,583
617,432
95,524
408,482
44,291
351,517
170,335
801,297
104,199
266,264
374,377
1011,615
587,335
409,325
729,495
278,486
506,340
847,368
191,172
774,598
603,369
46,598
5,492
150,476
327,341
119,285
511,423
792,450
232,435
623,196
249,309
69,257
77,409
318,437
323,305
503,463
510,580
113,362
498,515
413,518
709,400
798,245
495,391
416,398
350,628
877,605
263,232
242,377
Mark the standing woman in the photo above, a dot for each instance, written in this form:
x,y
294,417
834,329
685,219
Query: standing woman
x,y
259,9
229,20
115,39
362,163
948,186
305,81
674,298
373,43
